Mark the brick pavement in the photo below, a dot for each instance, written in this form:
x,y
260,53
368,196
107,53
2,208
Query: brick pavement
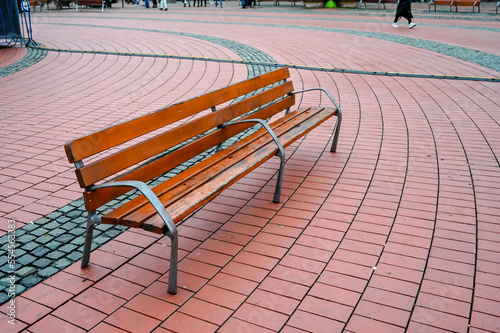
x,y
398,231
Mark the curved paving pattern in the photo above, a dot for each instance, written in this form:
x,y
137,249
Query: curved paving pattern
x,y
397,231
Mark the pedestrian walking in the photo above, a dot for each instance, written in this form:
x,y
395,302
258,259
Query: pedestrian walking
x,y
403,10
218,1
163,5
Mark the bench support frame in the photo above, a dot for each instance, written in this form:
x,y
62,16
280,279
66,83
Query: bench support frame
x,y
171,233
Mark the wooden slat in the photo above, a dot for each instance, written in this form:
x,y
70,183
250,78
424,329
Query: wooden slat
x,y
95,199
110,165
78,149
249,152
185,205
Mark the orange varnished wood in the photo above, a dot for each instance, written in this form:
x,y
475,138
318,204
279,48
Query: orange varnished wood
x,y
144,150
78,149
95,199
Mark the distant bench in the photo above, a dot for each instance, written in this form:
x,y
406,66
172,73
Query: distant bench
x,y
97,3
456,3
379,2
127,155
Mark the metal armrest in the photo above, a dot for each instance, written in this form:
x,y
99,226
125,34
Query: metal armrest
x,y
333,149
281,153
169,222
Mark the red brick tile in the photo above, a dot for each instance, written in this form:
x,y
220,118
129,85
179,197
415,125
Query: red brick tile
x,y
152,263
221,297
187,281
282,230
198,268
216,245
159,290
132,321
79,314
285,288
294,275
136,275
266,250
210,257
444,304
151,306
318,243
54,324
244,271
485,321
415,327
313,253
274,302
383,313
445,290
68,282
439,319
363,324
403,261
261,316
106,259
343,281
256,260
313,323
121,249
91,272
235,325
119,287
47,295
335,294
325,308
343,267
106,328
233,283
26,310
388,298
395,285
206,311
100,300
11,326
290,221
133,238
180,322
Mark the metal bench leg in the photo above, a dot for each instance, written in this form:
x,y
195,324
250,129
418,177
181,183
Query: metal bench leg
x,y
172,273
333,149
92,220
279,181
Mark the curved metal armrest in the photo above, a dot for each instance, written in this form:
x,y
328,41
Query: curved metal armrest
x,y
339,113
281,154
266,126
322,89
149,194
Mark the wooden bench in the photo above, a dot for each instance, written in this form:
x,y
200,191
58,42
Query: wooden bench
x,y
137,151
456,3
101,3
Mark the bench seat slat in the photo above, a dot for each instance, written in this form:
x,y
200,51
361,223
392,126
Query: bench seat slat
x,y
260,141
81,148
179,209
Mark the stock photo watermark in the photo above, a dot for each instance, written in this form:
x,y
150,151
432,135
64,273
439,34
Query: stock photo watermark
x,y
11,262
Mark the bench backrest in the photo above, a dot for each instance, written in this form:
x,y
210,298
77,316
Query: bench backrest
x,y
143,157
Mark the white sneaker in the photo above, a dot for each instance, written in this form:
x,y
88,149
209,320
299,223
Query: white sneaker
x,y
395,25
412,25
